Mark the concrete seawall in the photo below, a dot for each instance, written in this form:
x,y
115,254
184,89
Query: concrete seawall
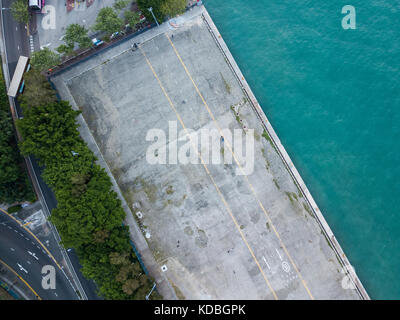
x,y
285,158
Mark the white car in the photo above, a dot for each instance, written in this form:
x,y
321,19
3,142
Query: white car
x,y
96,42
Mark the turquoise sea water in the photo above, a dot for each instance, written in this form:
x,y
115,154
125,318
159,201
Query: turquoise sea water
x,y
333,97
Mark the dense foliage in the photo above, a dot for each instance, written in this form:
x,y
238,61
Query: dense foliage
x,y
108,21
14,183
156,5
161,8
171,8
19,11
121,4
75,34
37,90
89,214
44,59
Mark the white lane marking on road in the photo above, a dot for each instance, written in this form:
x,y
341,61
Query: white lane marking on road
x,y
33,255
16,28
28,262
266,263
56,294
12,249
278,253
45,46
22,268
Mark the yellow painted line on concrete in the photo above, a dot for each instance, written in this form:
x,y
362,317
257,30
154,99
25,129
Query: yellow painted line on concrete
x,y
237,162
209,174
30,232
20,278
26,224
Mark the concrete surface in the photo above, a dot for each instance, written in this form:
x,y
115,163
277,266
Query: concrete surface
x,y
221,235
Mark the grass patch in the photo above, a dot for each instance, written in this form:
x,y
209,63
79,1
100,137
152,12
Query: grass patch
x,y
14,209
227,86
170,190
307,208
268,138
292,197
178,292
149,189
276,184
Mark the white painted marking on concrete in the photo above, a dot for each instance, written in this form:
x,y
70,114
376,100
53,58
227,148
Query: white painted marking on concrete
x,y
266,263
285,267
12,249
278,253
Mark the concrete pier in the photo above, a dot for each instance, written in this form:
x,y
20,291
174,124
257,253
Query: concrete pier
x,y
220,235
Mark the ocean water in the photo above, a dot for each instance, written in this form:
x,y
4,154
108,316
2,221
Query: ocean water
x,y
333,97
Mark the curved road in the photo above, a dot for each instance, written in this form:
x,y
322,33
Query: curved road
x,y
26,256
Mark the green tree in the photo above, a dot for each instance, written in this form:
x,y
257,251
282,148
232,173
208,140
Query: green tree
x,y
172,8
19,11
108,21
49,131
37,90
45,59
121,4
131,17
65,50
156,5
77,34
14,183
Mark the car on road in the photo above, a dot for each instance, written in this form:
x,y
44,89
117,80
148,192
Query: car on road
x,y
36,5
97,42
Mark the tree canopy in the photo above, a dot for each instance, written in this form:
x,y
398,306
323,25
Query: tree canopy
x,y
14,183
44,59
172,8
133,18
37,90
121,4
156,5
19,11
77,34
108,21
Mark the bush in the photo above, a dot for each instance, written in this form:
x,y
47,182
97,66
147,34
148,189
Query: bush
x,y
156,5
108,21
14,209
19,11
172,8
45,59
14,183
37,90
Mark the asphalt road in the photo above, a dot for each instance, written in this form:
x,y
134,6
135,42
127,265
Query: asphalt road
x,y
17,43
20,251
